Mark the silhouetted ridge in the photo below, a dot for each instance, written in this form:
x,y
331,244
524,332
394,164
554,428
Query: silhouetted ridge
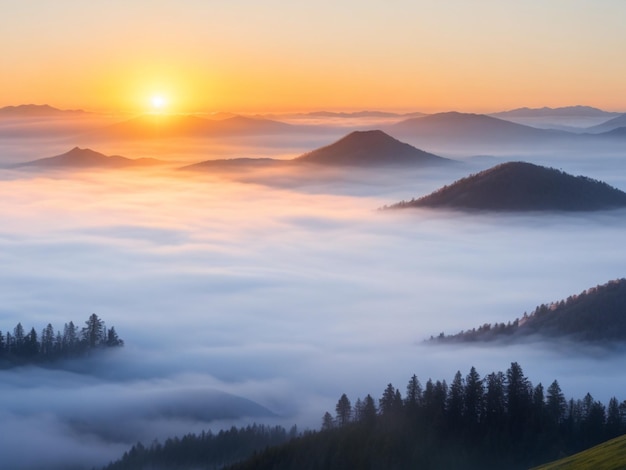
x,y
87,158
565,111
152,126
242,163
370,148
520,186
37,110
597,314
469,127
611,124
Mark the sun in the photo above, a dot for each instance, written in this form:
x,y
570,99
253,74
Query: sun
x,y
158,102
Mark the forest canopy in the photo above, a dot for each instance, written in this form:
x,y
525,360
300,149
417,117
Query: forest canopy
x,y
23,347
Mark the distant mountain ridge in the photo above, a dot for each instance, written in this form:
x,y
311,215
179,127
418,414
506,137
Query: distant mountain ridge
x,y
521,186
86,158
367,148
232,164
565,111
467,125
610,125
151,126
37,110
467,128
597,314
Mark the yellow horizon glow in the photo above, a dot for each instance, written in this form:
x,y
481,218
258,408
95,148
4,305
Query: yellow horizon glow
x,y
247,56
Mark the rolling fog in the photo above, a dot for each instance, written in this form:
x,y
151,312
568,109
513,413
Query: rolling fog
x,y
263,298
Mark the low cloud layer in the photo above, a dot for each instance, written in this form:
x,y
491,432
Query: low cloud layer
x,y
244,301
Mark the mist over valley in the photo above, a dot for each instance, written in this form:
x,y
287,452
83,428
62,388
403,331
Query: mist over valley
x,y
259,289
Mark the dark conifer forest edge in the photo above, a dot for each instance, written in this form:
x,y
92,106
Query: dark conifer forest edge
x,y
500,420
21,347
596,315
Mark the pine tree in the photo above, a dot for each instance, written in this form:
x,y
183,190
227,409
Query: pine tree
x,y
93,332
614,424
413,397
31,344
556,406
112,338
343,410
495,401
70,338
18,340
474,392
327,422
387,401
369,410
47,341
455,401
518,398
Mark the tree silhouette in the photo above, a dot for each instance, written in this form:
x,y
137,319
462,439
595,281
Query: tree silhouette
x,y
344,410
93,331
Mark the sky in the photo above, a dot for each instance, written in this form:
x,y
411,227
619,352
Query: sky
x,y
250,56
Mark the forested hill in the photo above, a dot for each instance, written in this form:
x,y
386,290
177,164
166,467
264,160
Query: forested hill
x,y
26,347
521,186
203,451
496,421
499,421
597,314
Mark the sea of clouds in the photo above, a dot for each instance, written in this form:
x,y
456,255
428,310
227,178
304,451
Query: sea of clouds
x,y
263,298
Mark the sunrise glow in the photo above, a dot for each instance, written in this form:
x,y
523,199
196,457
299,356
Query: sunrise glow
x,y
251,56
158,102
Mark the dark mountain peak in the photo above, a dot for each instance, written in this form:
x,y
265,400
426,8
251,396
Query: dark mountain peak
x,y
373,147
375,136
77,151
522,186
597,314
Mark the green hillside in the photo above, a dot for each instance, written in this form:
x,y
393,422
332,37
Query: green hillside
x,y
610,455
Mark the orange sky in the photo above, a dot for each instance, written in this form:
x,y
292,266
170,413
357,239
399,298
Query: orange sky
x,y
245,55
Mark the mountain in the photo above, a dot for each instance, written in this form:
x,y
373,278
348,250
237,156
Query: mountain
x,y
611,124
343,115
596,315
362,114
151,126
370,148
87,158
521,186
608,455
470,128
618,132
566,111
203,451
36,110
235,164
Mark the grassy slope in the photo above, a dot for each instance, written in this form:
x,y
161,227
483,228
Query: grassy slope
x,y
609,455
